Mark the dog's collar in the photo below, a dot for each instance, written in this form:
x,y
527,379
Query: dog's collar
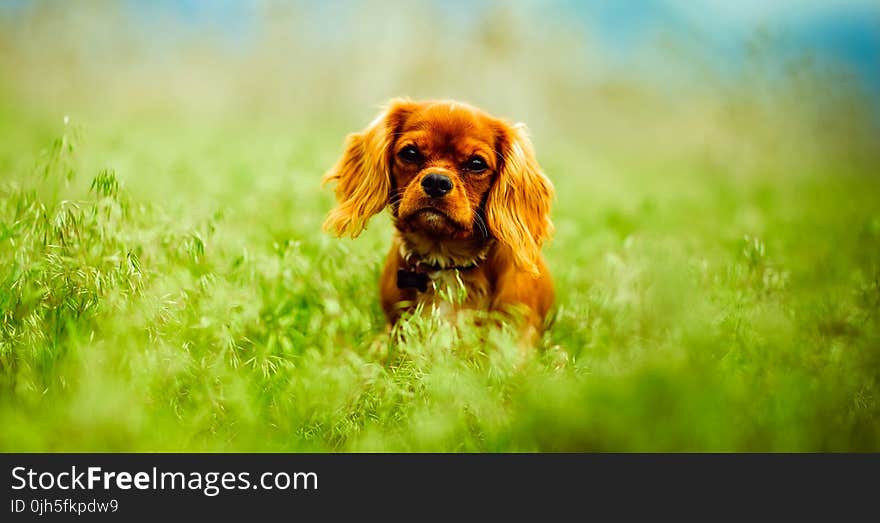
x,y
415,276
415,270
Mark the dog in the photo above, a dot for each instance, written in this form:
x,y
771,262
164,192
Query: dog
x,y
469,203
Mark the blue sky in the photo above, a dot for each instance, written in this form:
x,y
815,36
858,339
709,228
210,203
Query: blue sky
x,y
845,32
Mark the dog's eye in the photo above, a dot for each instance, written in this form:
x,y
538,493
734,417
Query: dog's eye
x,y
476,164
409,154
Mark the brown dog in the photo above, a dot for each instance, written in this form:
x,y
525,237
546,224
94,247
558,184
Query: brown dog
x,y
469,202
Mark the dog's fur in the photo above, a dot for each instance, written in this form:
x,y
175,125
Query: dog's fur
x,y
485,233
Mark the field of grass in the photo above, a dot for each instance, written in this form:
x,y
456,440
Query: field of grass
x,y
165,285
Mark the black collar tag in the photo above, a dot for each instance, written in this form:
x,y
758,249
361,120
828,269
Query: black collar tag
x,y
412,280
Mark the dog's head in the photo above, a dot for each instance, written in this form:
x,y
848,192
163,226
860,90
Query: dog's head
x,y
448,170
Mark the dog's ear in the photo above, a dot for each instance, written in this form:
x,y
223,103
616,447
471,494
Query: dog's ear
x,y
518,205
363,174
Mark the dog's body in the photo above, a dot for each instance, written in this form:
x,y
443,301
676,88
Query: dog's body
x,y
469,202
491,284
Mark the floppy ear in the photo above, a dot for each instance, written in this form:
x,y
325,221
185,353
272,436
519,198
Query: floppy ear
x,y
518,205
363,174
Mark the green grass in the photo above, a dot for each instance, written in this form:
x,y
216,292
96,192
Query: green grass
x,y
165,285
189,301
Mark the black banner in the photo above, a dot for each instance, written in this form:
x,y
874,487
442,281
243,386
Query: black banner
x,y
415,486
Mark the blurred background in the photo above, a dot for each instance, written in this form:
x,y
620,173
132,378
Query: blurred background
x,y
555,64
717,254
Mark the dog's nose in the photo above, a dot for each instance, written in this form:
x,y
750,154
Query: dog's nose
x,y
436,185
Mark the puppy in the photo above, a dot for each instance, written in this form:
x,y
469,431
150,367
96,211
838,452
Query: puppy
x,y
469,203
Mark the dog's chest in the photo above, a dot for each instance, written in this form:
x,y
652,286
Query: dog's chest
x,y
452,290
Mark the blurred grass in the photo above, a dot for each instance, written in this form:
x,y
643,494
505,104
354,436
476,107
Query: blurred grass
x,y
166,286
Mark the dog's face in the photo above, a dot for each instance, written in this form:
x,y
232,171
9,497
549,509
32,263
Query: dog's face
x,y
448,170
443,165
